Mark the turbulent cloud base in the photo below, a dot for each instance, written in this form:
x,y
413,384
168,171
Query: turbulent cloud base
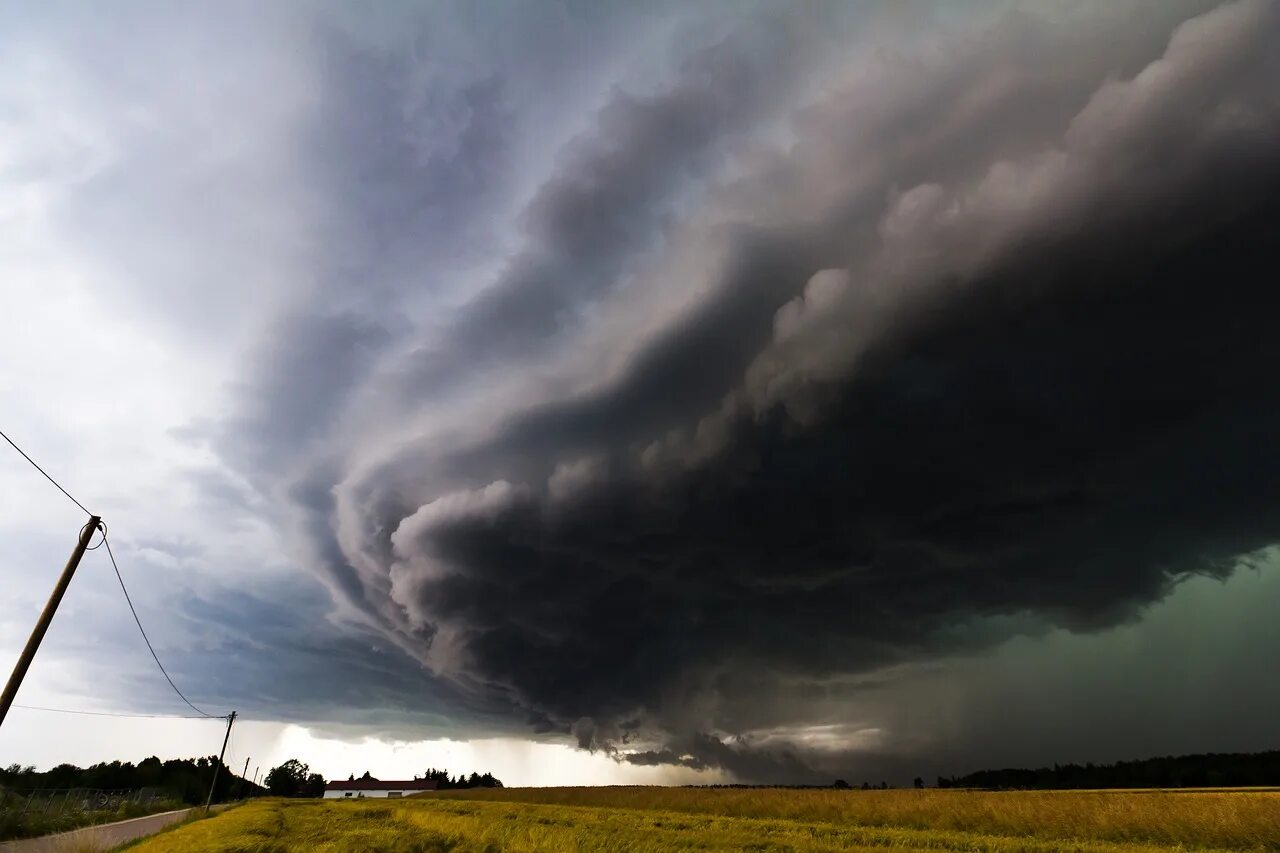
x,y
676,385
972,336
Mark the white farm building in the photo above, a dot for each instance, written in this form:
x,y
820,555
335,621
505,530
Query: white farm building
x,y
356,788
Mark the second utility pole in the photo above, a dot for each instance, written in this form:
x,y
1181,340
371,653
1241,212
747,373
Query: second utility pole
x,y
231,718
240,782
46,616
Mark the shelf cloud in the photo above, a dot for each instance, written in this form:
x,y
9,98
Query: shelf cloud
x,y
685,386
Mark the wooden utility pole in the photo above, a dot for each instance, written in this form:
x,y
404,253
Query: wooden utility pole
x,y
231,718
243,773
42,624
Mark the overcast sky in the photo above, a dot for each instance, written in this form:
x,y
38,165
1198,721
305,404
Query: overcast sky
x,y
639,392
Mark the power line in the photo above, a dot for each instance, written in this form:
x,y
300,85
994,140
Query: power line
x,y
113,713
145,638
42,471
103,529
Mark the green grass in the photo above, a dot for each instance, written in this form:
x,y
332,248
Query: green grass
x,y
639,820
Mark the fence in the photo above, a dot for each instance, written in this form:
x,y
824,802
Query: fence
x,y
59,801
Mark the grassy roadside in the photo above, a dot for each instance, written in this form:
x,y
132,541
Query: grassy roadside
x,y
14,826
194,816
487,824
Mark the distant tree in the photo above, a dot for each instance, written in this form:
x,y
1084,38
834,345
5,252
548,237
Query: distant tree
x,y
289,779
919,783
150,772
841,784
314,786
367,777
866,786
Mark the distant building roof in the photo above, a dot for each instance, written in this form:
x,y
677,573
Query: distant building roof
x,y
380,785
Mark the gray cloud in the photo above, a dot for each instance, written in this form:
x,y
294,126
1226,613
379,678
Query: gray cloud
x,y
614,192
706,386
886,468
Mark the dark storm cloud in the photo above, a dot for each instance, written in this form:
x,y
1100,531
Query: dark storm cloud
x,y
379,683
700,752
615,189
410,161
985,347
267,647
405,201
410,156
310,367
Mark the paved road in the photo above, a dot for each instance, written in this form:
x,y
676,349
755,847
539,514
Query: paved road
x,y
104,836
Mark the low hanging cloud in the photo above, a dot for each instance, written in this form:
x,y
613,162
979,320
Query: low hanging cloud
x,y
966,342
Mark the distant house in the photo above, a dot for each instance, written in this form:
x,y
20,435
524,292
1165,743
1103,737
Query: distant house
x,y
354,788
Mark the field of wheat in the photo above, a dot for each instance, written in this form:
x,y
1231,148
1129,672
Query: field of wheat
x,y
653,819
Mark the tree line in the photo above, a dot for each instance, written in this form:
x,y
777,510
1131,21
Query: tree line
x,y
295,779
186,779
1211,770
475,780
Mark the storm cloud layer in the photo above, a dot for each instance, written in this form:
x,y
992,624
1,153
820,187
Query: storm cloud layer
x,y
670,380
973,339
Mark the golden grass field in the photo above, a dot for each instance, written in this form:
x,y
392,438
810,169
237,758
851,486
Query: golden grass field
x,y
652,819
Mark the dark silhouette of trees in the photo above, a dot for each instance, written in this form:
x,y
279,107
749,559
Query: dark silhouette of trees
x,y
185,779
1183,771
475,780
919,783
295,779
